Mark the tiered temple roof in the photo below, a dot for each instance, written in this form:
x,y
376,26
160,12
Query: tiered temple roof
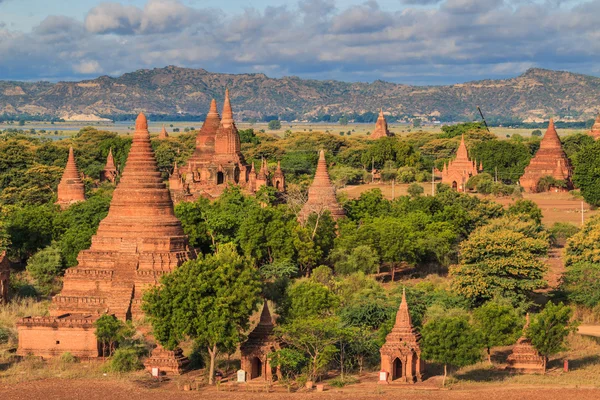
x,y
381,127
139,240
595,131
524,357
401,353
459,170
321,194
70,188
549,160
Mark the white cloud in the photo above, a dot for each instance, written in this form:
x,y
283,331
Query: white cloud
x,y
88,67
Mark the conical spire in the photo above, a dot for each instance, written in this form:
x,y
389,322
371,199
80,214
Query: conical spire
x,y
265,316
461,153
110,161
163,133
550,139
595,131
70,188
403,316
262,174
322,175
381,127
141,206
227,119
205,139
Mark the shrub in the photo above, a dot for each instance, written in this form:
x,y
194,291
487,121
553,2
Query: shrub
x,y
5,335
415,190
68,358
548,182
581,284
561,231
340,382
125,360
407,174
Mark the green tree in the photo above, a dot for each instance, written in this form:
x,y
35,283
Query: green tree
x,y
415,190
549,329
30,229
498,323
526,207
109,332
451,341
343,120
509,158
45,266
586,175
581,284
502,259
315,337
307,298
536,132
274,125
584,246
361,258
209,300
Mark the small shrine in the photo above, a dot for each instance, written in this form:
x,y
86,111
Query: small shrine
x,y
458,171
401,354
109,173
255,351
163,133
524,357
70,188
166,361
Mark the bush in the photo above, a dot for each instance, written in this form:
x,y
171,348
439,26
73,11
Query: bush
x,y
68,358
339,382
5,335
125,360
581,284
561,231
536,132
548,182
415,190
407,174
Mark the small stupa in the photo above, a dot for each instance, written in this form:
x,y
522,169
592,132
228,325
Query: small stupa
x,y
321,194
163,133
524,357
381,127
109,173
70,188
549,160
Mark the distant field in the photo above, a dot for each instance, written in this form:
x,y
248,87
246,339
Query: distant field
x,y
70,128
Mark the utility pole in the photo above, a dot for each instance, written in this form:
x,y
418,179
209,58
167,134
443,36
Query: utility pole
x,y
496,169
393,189
373,170
582,213
433,181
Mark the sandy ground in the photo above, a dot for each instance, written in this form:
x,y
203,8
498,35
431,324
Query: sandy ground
x,y
87,389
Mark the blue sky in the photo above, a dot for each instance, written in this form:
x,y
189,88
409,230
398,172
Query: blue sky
x,y
405,41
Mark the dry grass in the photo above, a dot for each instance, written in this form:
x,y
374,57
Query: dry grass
x,y
19,308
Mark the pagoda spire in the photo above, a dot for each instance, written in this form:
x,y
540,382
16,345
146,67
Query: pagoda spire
x,y
227,119
265,315
381,127
163,133
462,153
70,187
551,139
403,316
110,161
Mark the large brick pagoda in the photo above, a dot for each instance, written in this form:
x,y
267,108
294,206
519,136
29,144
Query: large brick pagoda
x,y
401,353
595,131
70,188
381,127
256,350
138,242
321,194
549,160
217,160
459,170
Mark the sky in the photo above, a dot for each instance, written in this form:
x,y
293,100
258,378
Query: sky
x,y
422,42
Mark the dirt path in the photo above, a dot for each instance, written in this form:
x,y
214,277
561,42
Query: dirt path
x,y
84,389
589,330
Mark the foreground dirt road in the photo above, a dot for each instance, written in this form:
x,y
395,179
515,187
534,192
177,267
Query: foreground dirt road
x,y
88,389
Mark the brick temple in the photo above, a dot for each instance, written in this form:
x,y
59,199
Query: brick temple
x,y
458,171
256,350
321,194
138,242
524,357
109,173
549,160
70,188
595,131
217,161
381,127
163,133
4,277
401,353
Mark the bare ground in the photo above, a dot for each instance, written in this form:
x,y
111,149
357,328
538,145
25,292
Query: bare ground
x,y
89,389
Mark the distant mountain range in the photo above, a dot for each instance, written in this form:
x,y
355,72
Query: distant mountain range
x,y
171,91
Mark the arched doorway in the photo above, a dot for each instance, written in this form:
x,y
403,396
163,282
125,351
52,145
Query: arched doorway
x,y
220,178
277,185
454,185
415,371
256,368
397,369
236,175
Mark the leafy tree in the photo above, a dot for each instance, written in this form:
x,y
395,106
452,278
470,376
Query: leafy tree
x,y
361,258
451,341
110,331
307,298
208,300
343,120
456,130
30,228
498,324
549,329
289,361
581,284
316,337
584,246
508,157
415,190
526,207
536,132
572,144
586,175
274,125
501,259
248,136
560,232
44,266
